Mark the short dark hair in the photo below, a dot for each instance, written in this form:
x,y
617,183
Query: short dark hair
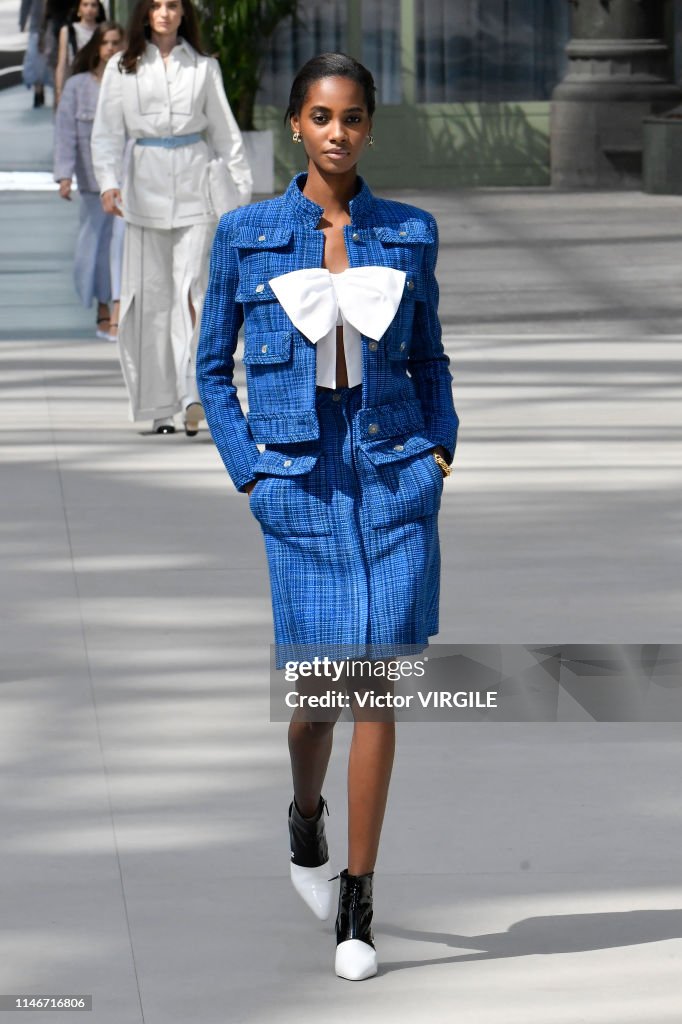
x,y
330,65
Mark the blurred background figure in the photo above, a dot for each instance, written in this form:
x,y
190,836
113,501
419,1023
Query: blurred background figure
x,y
72,155
35,71
73,36
167,97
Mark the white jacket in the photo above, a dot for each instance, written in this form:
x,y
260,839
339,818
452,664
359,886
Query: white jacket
x,y
166,188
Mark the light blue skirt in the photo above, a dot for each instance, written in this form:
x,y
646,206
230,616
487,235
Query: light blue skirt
x,y
91,265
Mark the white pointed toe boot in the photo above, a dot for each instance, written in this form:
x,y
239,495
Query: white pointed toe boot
x,y
310,860
356,957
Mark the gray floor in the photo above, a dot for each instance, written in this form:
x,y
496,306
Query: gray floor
x,y
528,873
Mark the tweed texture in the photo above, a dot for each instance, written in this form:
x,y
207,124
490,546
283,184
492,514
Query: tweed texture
x,y
352,545
406,381
348,491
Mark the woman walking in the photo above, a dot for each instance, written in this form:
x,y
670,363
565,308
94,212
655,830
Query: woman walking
x,y
73,129
167,97
350,391
73,36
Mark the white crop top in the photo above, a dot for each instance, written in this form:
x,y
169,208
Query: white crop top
x,y
364,300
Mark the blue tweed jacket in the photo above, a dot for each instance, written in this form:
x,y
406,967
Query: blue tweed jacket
x,y
406,381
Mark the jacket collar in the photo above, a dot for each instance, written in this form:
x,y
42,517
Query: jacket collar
x,y
305,209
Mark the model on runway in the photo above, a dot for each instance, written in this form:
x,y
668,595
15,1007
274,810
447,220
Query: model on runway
x,y
167,98
349,389
73,130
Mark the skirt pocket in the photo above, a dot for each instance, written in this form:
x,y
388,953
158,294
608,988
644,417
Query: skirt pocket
x,y
293,499
404,488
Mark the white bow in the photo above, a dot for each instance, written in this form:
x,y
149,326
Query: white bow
x,y
367,297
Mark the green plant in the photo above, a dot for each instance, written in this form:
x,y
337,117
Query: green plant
x,y
237,33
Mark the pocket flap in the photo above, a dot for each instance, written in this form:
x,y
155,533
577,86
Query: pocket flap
x,y
411,232
270,347
274,463
248,237
396,448
255,289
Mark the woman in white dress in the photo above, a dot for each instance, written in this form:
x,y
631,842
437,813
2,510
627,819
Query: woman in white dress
x,y
73,37
73,128
166,96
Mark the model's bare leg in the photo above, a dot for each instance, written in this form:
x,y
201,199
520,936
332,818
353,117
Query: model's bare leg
x,y
310,747
369,774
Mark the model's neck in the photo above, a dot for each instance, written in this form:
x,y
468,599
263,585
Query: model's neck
x,y
165,42
99,70
333,192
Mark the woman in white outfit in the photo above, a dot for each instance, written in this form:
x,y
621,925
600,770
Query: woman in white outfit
x,y
167,97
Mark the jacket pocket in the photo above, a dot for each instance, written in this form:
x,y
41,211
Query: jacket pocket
x,y
403,481
267,347
293,499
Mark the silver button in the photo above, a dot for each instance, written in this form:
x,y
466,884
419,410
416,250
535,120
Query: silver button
x,y
403,346
410,285
373,428
402,234
336,398
286,463
373,346
264,348
260,287
356,236
261,238
398,447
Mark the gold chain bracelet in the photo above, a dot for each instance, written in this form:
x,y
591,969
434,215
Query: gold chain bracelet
x,y
442,464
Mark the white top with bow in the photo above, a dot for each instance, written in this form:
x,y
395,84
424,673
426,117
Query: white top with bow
x,y
364,300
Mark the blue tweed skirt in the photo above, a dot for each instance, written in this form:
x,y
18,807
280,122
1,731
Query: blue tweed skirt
x,y
352,546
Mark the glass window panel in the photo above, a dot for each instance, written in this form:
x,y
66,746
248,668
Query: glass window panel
x,y
321,28
489,50
381,47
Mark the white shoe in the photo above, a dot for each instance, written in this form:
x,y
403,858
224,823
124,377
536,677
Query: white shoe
x,y
315,888
355,960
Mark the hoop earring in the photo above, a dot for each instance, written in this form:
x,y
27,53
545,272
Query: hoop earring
x,y
296,137
370,140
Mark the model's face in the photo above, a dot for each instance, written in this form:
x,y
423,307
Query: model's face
x,y
334,124
112,42
165,17
88,10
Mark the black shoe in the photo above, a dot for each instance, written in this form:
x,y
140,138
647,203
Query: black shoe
x,y
38,98
163,426
356,957
310,859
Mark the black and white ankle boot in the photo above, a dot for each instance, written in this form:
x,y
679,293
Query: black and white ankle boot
x,y
310,859
356,957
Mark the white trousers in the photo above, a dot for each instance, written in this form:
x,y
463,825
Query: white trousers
x,y
163,272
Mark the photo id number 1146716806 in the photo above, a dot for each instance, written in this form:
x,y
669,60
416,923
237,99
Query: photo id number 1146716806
x,y
34,1001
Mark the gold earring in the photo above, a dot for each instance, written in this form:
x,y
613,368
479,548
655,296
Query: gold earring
x,y
370,140
296,137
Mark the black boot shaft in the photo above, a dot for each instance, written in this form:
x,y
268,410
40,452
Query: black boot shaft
x,y
307,837
354,918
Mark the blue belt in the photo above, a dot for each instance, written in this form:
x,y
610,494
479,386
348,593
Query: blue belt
x,y
170,141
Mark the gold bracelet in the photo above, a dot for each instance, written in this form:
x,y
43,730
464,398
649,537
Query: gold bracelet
x,y
442,464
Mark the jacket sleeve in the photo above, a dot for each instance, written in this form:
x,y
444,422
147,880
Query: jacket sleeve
x,y
220,322
224,135
429,365
108,131
65,135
